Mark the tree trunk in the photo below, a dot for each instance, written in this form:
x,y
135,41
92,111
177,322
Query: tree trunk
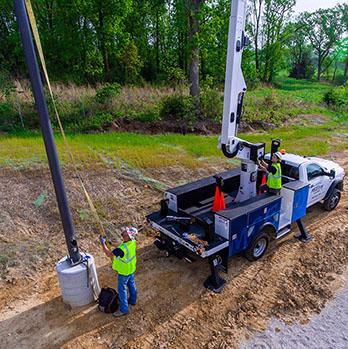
x,y
319,69
49,9
256,38
102,39
334,73
257,62
194,73
194,51
157,44
345,71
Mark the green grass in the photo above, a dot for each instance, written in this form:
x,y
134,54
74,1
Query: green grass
x,y
290,98
310,91
156,151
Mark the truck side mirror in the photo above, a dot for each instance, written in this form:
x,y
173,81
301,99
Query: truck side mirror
x,y
332,173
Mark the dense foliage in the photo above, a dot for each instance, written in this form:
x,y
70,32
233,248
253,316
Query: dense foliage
x,y
132,41
171,44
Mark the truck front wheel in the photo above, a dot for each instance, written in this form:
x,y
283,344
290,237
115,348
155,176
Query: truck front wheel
x,y
332,201
258,247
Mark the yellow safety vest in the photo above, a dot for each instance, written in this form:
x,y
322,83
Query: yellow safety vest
x,y
274,181
128,263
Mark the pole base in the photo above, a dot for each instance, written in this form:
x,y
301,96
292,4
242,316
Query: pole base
x,y
78,282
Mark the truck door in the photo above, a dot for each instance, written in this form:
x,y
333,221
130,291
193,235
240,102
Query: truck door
x,y
317,183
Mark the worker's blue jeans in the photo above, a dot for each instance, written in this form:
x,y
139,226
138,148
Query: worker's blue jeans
x,y
125,282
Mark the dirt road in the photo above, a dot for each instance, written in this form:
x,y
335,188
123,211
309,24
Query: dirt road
x,y
326,330
292,282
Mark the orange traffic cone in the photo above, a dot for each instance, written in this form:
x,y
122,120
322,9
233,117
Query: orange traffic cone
x,y
222,201
263,184
264,180
219,200
216,204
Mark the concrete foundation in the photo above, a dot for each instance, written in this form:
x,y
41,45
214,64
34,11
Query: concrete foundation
x,y
78,283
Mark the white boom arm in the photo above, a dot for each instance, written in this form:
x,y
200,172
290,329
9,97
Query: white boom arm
x,y
235,88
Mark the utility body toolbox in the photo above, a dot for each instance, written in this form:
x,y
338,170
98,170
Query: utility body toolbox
x,y
188,226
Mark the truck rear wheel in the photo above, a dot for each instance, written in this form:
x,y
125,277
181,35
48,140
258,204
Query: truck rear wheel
x,y
332,201
258,247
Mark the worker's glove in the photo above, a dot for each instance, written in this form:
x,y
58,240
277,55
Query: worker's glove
x,y
102,239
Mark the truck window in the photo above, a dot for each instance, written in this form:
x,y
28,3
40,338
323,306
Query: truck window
x,y
290,171
313,171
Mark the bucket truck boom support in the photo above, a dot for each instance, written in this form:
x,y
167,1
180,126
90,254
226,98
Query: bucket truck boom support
x,y
235,88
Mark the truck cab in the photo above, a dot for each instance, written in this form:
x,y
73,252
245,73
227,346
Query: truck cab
x,y
324,178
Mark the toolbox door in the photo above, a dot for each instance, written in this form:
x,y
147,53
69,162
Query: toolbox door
x,y
238,234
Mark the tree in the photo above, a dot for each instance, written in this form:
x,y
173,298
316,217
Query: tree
x,y
255,12
300,53
342,56
132,64
276,13
323,29
12,61
193,8
107,18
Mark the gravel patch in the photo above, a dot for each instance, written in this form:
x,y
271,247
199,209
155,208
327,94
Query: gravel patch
x,y
327,330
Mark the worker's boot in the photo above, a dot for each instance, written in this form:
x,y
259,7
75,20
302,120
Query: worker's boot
x,y
118,313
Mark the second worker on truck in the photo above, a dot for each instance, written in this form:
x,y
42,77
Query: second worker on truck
x,y
274,173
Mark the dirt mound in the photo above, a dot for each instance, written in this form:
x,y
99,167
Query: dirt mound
x,y
291,282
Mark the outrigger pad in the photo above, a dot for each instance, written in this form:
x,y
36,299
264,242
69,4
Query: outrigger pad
x,y
304,236
215,284
304,239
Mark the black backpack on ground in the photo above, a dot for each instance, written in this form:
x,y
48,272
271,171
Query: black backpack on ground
x,y
108,301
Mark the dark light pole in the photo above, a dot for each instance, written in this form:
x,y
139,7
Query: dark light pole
x,y
46,128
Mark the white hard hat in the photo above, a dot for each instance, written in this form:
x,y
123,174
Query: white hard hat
x,y
279,155
132,232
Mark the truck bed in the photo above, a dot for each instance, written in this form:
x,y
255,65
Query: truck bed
x,y
181,234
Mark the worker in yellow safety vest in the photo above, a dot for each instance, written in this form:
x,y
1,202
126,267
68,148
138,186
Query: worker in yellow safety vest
x,y
124,262
274,173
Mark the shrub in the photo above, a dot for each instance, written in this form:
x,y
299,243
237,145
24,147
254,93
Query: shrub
x,y
336,97
175,76
211,101
177,107
108,92
6,83
268,110
95,122
271,101
9,120
149,115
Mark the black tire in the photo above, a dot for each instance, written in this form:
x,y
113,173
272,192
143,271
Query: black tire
x,y
332,201
258,247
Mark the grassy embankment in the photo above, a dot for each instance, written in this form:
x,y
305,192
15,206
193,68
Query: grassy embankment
x,y
154,151
86,108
